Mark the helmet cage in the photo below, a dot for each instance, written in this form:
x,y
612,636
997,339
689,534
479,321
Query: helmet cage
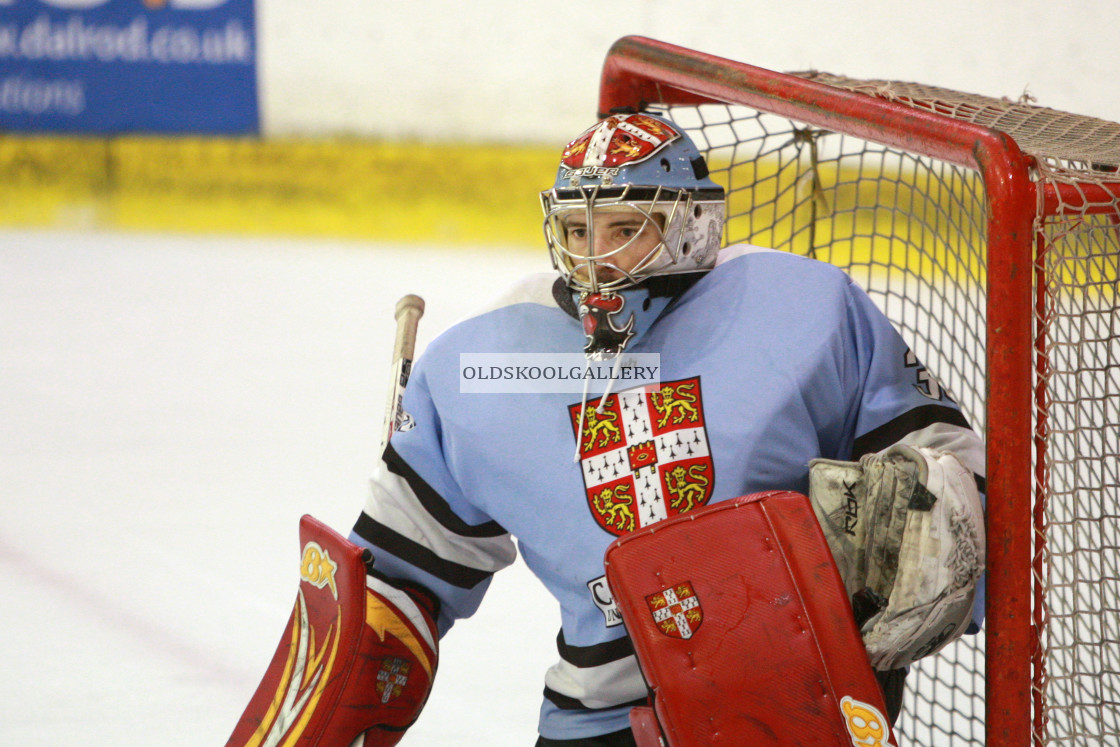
x,y
673,213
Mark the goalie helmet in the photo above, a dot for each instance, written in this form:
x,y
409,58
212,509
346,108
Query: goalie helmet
x,y
645,165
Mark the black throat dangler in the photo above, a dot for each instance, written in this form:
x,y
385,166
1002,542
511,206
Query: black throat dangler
x,y
598,313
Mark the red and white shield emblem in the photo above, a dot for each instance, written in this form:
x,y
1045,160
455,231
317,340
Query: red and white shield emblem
x,y
645,457
391,678
676,610
618,140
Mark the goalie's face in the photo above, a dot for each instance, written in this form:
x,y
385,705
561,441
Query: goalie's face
x,y
613,248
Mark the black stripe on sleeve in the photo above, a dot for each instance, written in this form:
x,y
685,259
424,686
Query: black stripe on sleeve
x,y
593,656
568,703
456,574
624,738
913,420
434,503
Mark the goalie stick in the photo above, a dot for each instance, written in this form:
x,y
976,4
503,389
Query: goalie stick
x,y
408,312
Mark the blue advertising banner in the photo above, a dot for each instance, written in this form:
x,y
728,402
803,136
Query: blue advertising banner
x,y
136,66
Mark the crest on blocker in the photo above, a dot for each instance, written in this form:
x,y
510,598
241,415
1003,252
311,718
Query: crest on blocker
x,y
676,610
645,456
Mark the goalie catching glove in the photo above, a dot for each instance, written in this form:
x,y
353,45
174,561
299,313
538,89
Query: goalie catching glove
x,y
356,662
906,529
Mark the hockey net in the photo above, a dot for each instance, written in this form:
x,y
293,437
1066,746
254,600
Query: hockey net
x,y
988,230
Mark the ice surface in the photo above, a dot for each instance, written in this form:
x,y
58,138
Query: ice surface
x,y
169,407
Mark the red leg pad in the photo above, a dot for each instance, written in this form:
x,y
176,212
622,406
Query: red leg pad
x,y
350,660
743,629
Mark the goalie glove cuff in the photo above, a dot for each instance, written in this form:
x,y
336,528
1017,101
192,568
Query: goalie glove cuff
x,y
906,529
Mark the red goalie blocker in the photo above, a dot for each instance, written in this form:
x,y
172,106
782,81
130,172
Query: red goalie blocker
x,y
356,657
744,631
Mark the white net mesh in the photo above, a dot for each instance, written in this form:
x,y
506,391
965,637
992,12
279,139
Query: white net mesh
x,y
1061,142
913,232
1078,426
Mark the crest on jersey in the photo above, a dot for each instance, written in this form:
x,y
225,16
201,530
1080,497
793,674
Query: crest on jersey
x,y
676,611
620,140
645,457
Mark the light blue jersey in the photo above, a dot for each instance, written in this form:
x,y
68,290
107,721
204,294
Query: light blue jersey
x,y
767,361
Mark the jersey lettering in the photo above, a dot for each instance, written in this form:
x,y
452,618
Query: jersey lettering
x,y
604,600
926,384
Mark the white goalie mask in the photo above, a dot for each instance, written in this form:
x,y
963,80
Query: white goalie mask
x,y
632,200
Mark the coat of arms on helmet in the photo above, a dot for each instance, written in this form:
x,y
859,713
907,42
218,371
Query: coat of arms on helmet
x,y
617,141
645,455
676,611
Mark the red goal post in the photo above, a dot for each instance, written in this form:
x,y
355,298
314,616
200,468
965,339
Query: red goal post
x,y
987,230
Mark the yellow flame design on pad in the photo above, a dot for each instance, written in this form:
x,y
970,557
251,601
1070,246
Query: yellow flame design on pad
x,y
385,620
301,684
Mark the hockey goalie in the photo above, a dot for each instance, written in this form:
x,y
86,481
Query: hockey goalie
x,y
777,620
